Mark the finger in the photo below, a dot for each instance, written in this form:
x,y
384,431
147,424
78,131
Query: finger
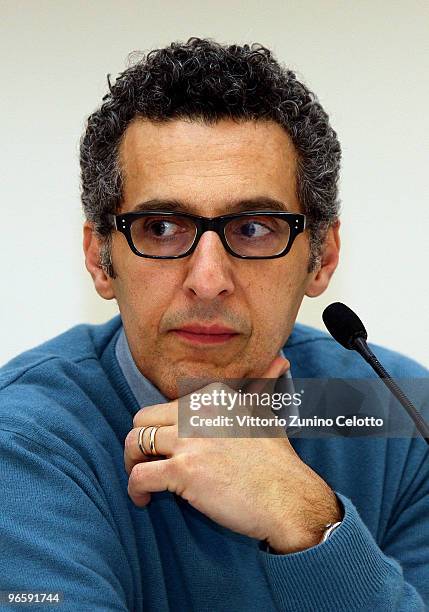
x,y
165,440
159,414
153,477
132,452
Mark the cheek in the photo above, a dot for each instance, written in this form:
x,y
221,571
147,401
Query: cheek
x,y
274,301
145,294
273,287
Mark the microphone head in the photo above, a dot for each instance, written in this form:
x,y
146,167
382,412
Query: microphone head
x,y
343,324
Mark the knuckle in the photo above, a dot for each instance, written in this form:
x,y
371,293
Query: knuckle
x,y
136,419
130,445
129,441
178,445
184,463
136,474
178,465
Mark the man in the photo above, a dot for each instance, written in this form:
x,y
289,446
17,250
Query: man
x,y
209,185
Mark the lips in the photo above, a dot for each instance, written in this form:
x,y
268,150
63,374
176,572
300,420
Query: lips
x,y
205,334
207,329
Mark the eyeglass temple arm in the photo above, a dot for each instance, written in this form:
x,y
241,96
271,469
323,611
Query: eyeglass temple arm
x,y
112,219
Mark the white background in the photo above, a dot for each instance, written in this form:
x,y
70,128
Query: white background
x,y
367,61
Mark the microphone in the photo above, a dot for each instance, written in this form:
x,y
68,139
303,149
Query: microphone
x,y
346,328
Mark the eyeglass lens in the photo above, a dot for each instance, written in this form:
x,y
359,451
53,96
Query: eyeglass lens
x,y
171,235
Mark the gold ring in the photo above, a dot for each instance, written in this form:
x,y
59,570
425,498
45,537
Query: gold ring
x,y
152,440
140,441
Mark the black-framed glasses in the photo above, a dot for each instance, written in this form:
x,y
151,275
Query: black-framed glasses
x,y
256,234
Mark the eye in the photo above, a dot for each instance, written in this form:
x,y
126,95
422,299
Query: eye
x,y
252,229
161,228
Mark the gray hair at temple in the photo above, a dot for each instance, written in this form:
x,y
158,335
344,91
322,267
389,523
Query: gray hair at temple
x,y
204,80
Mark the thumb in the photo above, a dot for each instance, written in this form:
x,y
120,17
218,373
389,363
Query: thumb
x,y
277,367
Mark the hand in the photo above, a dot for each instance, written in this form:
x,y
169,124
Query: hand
x,y
258,487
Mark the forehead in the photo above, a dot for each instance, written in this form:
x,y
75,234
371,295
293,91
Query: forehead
x,y
207,163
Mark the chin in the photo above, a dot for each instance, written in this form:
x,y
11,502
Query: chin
x,y
185,378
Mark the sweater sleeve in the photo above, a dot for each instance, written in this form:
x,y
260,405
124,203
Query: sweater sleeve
x,y
350,571
56,531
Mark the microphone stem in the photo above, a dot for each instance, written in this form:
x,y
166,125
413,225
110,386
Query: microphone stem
x,y
361,346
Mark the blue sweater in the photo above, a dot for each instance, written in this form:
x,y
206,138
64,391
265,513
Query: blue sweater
x,y
68,525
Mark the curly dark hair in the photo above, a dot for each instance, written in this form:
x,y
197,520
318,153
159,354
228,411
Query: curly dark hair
x,y
204,80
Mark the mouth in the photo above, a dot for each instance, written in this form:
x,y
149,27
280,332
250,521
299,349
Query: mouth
x,y
202,334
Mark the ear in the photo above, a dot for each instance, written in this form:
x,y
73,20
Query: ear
x,y
91,247
329,260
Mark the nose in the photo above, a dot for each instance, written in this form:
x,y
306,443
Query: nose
x,y
209,274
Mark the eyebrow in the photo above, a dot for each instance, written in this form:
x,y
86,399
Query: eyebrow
x,y
256,203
